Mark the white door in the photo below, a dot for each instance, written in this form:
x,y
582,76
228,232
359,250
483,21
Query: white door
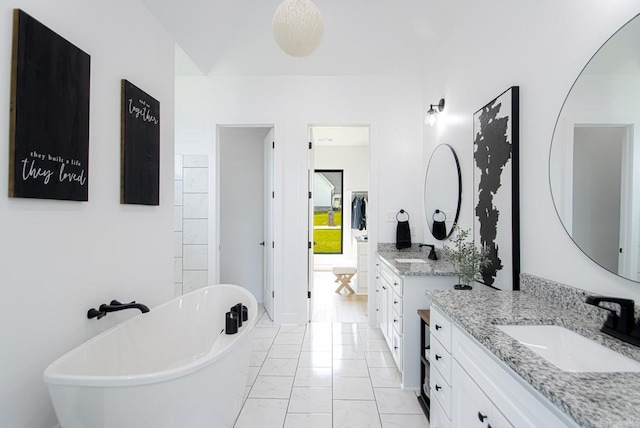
x,y
269,148
310,174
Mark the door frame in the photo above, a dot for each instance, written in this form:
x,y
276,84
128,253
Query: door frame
x,y
372,208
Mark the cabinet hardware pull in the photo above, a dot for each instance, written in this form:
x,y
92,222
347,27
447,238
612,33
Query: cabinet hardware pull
x,y
384,288
395,302
482,417
438,357
395,347
395,283
438,327
395,320
438,387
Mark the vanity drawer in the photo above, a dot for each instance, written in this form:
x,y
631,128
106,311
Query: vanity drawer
x,y
441,360
437,416
440,328
396,302
396,348
440,390
396,284
396,320
386,272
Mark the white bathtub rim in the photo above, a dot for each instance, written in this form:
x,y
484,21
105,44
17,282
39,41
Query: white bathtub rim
x,y
52,378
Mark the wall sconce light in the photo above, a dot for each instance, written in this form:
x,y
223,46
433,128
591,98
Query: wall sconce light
x,y
432,115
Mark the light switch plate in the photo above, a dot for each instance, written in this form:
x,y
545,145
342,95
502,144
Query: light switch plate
x,y
391,216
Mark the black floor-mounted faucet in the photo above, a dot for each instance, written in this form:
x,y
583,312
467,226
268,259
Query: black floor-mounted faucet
x,y
114,306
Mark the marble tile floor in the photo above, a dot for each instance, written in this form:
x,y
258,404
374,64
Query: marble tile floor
x,y
325,375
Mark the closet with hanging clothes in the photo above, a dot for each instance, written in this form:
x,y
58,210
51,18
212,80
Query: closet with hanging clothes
x,y
359,201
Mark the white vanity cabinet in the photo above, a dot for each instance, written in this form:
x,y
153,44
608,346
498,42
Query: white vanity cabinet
x,y
361,256
483,392
390,309
398,298
473,408
440,361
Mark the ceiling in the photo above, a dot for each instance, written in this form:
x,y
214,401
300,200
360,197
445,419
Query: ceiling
x,y
234,37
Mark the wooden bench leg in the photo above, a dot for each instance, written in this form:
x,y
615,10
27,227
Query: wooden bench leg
x,y
344,280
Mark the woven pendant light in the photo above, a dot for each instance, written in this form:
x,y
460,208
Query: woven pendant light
x,y
297,27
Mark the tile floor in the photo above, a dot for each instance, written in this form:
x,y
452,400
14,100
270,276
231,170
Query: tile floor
x,y
325,374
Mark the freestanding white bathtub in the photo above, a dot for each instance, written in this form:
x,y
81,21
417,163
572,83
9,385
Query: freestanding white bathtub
x,y
171,367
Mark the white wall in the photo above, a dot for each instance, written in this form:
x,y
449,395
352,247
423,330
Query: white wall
x,y
60,258
540,46
392,105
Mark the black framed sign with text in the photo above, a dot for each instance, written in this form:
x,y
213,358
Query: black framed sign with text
x,y
49,123
140,150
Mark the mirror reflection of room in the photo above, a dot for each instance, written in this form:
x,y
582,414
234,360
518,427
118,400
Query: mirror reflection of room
x,y
594,163
442,192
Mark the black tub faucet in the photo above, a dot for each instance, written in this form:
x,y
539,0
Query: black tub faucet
x,y
114,306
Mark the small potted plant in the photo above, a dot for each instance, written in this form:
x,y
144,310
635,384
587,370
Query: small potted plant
x,y
466,258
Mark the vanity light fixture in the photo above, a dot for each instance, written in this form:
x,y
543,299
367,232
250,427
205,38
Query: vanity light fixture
x,y
432,115
297,27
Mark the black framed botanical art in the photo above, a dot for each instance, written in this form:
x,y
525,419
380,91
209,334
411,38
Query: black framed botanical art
x,y
496,196
140,147
49,122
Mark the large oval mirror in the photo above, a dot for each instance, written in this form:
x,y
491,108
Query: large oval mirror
x,y
442,191
594,162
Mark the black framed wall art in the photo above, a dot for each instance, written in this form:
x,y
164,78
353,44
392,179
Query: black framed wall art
x,y
49,120
496,184
140,147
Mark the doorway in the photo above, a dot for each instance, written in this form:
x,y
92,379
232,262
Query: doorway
x,y
245,209
341,150
602,168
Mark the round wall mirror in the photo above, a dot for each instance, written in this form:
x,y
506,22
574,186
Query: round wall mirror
x,y
442,191
594,162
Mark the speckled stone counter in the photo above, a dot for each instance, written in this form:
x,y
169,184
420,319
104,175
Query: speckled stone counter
x,y
429,268
592,400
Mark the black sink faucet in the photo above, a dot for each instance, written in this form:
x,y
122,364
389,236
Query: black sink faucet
x,y
114,306
622,326
432,254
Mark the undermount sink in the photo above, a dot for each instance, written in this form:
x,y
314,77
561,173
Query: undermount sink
x,y
410,261
568,350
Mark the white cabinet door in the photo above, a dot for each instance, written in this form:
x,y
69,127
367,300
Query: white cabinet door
x,y
471,407
384,309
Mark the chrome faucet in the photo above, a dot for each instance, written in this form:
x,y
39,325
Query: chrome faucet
x,y
622,326
114,306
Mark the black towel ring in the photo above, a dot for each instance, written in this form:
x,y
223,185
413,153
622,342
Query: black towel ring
x,y
433,217
402,212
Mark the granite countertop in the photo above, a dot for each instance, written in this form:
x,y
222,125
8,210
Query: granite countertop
x,y
593,400
429,268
